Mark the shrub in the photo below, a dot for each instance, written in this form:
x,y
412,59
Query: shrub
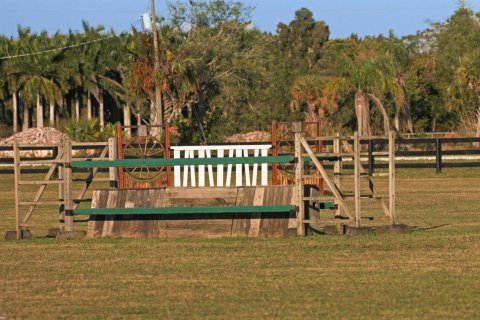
x,y
89,130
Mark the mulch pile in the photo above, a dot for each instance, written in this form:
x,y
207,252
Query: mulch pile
x,y
35,136
254,136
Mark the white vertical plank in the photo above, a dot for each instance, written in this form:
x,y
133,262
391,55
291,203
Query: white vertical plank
x,y
201,170
238,169
211,181
255,168
229,169
186,154
177,182
248,182
193,178
264,168
220,154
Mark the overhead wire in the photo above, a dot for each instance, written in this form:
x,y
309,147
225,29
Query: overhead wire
x,y
56,49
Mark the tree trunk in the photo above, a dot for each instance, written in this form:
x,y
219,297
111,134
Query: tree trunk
x,y
362,111
77,106
89,106
127,119
51,115
26,117
139,119
153,118
404,109
478,123
39,112
101,110
379,104
15,112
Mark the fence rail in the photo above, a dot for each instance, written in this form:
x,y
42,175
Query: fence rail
x,y
435,153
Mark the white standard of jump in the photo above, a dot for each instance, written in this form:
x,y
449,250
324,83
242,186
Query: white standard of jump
x,y
245,175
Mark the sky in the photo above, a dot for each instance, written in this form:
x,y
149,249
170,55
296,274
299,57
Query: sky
x,y
344,17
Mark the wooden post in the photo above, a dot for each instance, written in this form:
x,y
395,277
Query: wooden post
x,y
167,152
356,160
297,130
274,153
438,155
337,171
67,182
119,154
16,170
320,150
61,192
112,155
391,175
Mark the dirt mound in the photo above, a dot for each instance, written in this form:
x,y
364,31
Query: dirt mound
x,y
254,136
35,136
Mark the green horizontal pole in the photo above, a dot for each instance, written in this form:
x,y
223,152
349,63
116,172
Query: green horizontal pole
x,y
178,162
183,210
185,161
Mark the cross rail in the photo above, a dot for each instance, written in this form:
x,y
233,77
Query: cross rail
x,y
184,210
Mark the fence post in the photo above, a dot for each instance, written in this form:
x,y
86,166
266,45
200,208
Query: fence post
x,y
61,190
112,155
119,153
337,171
438,154
391,176
297,130
67,182
371,158
356,160
274,153
16,171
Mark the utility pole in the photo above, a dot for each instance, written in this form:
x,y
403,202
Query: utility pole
x,y
156,69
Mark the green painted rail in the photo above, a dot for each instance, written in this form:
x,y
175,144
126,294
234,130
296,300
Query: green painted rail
x,y
328,205
186,161
183,210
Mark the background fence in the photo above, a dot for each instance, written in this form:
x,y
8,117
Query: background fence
x,y
437,153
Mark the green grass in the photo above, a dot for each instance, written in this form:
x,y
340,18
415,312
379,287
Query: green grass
x,y
431,273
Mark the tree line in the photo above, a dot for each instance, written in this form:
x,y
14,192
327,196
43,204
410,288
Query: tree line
x,y
219,75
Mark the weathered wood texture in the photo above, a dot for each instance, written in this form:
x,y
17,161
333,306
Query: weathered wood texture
x,y
201,225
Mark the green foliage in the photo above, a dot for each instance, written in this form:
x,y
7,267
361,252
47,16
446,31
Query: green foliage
x,y
220,76
89,130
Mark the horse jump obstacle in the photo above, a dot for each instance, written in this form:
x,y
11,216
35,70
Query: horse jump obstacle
x,y
222,211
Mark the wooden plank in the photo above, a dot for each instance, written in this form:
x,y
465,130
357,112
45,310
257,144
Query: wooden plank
x,y
256,216
337,171
16,177
238,169
95,223
241,222
220,168
111,204
128,220
391,176
299,181
68,185
356,161
117,222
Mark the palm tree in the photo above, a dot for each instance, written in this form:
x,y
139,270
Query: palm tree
x,y
371,76
313,91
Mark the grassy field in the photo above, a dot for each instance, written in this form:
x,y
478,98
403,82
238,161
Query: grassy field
x,y
430,273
